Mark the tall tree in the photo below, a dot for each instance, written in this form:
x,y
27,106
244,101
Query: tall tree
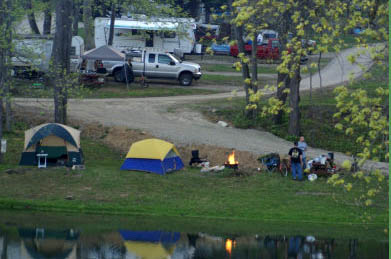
x,y
112,22
76,17
60,60
88,25
47,19
31,17
5,47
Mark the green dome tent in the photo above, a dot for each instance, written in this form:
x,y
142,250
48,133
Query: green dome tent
x,y
60,142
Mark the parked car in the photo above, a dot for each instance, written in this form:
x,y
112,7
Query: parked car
x,y
222,49
156,64
271,50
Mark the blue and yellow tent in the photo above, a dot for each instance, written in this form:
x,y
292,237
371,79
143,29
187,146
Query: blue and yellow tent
x,y
154,156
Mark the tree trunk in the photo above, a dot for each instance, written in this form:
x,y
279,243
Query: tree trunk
x,y
88,25
112,21
194,9
31,17
76,17
8,79
61,58
47,21
281,95
294,99
3,66
245,68
254,64
283,79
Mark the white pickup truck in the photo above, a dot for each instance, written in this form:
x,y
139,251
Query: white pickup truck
x,y
155,64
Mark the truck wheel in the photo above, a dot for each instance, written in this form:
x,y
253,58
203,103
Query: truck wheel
x,y
185,79
119,75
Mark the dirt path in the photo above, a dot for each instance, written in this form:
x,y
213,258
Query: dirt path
x,y
189,127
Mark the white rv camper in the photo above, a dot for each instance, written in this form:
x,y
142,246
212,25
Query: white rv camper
x,y
170,34
33,52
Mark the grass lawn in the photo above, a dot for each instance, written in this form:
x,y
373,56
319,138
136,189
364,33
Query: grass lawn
x,y
102,188
317,122
228,80
23,88
262,69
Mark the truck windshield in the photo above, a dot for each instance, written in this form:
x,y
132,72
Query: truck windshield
x,y
174,58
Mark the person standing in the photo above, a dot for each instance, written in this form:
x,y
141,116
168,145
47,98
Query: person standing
x,y
303,146
296,157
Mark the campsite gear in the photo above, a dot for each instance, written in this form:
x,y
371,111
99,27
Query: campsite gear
x,y
312,177
97,64
60,142
154,156
207,169
274,163
195,158
322,165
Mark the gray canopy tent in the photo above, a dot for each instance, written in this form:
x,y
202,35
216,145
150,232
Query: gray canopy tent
x,y
104,53
107,53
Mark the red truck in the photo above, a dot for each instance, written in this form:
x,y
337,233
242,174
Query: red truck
x,y
271,50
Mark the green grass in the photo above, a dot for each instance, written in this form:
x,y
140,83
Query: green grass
x,y
23,88
103,189
228,80
269,69
317,122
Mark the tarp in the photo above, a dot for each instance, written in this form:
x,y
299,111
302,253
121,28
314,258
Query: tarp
x,y
143,25
104,53
154,156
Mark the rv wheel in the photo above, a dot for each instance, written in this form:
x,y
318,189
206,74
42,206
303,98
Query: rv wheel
x,y
186,78
119,75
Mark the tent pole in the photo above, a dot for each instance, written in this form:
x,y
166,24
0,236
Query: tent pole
x,y
126,74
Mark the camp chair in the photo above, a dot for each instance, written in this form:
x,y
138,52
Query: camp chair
x,y
195,158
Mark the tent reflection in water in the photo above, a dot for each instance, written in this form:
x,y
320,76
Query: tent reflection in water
x,y
44,243
150,244
154,156
60,142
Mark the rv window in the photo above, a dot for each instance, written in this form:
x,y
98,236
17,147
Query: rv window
x,y
151,58
73,51
164,59
169,34
135,32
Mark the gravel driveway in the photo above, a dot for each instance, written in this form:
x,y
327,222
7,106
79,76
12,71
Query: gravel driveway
x,y
188,126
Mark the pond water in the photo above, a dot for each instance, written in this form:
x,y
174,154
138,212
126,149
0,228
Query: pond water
x,y
25,240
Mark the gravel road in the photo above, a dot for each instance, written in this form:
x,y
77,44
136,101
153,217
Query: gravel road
x,y
188,126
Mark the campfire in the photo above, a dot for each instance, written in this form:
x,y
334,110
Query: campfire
x,y
232,162
228,245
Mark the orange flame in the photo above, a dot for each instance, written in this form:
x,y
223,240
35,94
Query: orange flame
x,y
231,158
228,246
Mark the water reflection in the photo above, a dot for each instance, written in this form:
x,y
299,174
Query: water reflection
x,y
127,244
